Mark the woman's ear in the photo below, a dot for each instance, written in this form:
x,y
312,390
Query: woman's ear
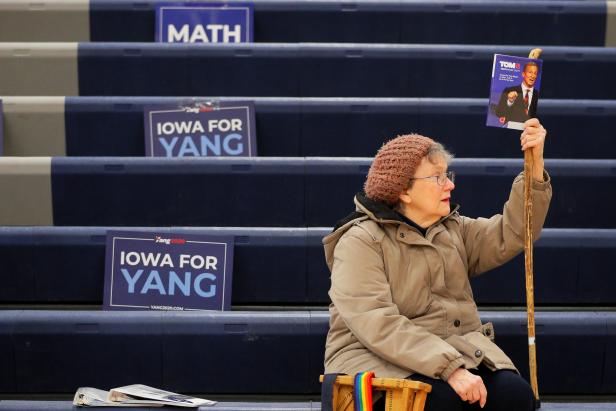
x,y
405,198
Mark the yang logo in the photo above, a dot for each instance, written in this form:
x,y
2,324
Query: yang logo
x,y
158,239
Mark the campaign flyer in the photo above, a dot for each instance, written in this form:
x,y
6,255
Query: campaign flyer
x,y
202,129
203,22
514,93
1,128
167,271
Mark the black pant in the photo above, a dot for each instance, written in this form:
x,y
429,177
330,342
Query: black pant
x,y
507,391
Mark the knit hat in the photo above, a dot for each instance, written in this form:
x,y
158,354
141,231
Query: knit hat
x,y
394,165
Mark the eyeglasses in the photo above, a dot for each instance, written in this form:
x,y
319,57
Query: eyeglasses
x,y
441,179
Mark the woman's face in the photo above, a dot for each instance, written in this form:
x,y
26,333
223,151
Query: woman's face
x,y
427,201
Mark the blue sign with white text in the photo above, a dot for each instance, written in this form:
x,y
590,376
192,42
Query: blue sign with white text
x,y
166,271
200,22
201,130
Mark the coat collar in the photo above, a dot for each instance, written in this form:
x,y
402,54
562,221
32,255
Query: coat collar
x,y
383,214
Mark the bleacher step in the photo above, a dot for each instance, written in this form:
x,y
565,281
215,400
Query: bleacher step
x,y
275,406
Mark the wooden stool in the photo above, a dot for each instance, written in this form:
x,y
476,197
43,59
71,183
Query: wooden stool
x,y
400,394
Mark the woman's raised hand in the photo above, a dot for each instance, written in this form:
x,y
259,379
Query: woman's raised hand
x,y
533,138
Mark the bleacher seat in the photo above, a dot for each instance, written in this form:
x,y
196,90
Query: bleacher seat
x,y
317,192
288,70
57,351
337,21
113,126
13,405
75,256
272,192
572,267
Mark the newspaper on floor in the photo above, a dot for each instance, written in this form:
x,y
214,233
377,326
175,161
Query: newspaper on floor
x,y
143,392
135,396
93,397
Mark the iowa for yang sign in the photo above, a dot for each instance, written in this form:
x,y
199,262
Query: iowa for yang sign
x,y
151,271
201,130
193,22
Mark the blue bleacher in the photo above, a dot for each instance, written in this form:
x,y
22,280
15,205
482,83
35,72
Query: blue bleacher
x,y
76,255
288,192
57,351
123,69
12,405
289,70
333,21
482,186
572,267
385,21
113,126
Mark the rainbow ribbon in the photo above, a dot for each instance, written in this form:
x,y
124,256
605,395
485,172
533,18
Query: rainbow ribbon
x,y
363,391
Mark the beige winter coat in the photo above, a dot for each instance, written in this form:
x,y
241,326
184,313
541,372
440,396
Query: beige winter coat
x,y
402,303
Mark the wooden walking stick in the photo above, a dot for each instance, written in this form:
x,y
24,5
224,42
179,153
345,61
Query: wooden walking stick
x,y
528,260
